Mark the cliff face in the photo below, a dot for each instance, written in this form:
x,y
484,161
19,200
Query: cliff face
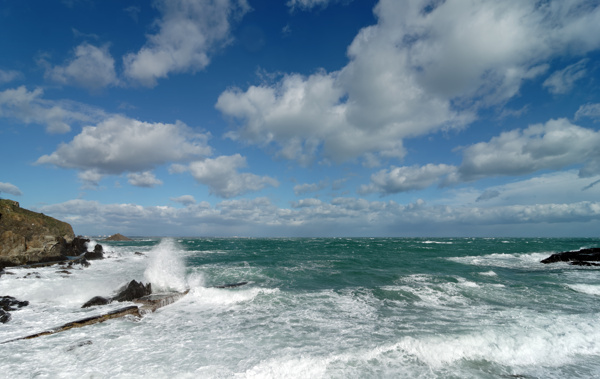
x,y
30,237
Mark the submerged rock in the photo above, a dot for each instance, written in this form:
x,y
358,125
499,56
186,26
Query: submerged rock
x,y
9,303
580,257
96,300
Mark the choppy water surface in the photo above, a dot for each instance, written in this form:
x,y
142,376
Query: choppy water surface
x,y
317,308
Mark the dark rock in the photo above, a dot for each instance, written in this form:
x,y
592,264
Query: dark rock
x,y
80,344
575,257
96,254
4,316
63,272
118,237
231,285
138,253
96,300
134,290
9,303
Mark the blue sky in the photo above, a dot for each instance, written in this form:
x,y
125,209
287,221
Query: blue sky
x,y
303,117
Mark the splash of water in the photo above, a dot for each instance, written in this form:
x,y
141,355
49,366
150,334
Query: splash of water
x,y
166,269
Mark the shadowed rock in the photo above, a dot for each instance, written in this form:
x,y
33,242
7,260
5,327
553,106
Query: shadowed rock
x,y
96,254
96,300
7,304
580,257
134,290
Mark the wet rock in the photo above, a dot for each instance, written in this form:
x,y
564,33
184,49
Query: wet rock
x,y
96,254
8,304
138,253
134,290
63,272
96,300
4,316
579,257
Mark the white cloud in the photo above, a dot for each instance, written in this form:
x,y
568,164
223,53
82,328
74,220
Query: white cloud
x,y
10,189
588,110
29,107
553,145
223,179
423,67
562,81
9,76
185,200
120,144
189,31
143,179
341,216
305,188
406,178
308,4
90,67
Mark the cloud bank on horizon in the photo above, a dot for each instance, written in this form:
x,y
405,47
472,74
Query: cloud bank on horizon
x,y
304,117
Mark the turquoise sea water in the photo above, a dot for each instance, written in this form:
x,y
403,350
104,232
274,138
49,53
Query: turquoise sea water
x,y
318,308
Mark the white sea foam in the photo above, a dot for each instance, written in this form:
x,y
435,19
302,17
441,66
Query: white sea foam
x,y
589,289
488,273
166,269
528,261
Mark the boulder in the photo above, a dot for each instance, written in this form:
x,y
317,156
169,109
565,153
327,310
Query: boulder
x,y
96,254
96,300
7,304
134,290
579,257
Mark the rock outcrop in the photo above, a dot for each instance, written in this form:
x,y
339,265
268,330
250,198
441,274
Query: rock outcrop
x,y
30,237
9,303
118,237
581,257
132,291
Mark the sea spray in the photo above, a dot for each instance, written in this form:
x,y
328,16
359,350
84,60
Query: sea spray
x,y
166,269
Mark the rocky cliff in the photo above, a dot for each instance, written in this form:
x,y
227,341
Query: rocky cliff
x,y
30,237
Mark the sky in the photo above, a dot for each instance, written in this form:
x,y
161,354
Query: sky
x,y
303,118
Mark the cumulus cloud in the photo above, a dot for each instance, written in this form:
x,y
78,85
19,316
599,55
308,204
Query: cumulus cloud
x,y
10,189
222,177
120,144
90,67
30,107
143,179
406,178
185,200
562,81
188,32
588,110
9,76
423,67
553,145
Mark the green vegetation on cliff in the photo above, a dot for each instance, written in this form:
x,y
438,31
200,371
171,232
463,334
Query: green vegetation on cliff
x,y
27,236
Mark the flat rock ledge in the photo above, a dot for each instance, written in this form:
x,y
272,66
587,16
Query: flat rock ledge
x,y
583,257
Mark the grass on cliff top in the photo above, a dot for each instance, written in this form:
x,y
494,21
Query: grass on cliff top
x,y
10,206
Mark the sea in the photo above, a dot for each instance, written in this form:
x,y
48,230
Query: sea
x,y
314,308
